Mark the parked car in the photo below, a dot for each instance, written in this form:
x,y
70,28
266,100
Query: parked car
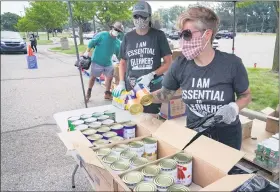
x,y
174,36
88,36
225,34
12,42
215,44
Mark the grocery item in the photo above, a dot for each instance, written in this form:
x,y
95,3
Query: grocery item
x,y
102,118
115,139
133,105
169,166
100,142
120,166
94,137
127,155
75,124
145,186
138,147
143,94
103,152
90,120
178,187
86,116
163,182
137,161
109,135
111,114
150,172
150,148
108,122
109,159
72,119
103,130
129,130
97,114
81,127
132,178
95,125
184,169
88,132
118,128
118,149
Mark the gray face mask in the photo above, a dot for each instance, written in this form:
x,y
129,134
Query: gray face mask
x,y
141,23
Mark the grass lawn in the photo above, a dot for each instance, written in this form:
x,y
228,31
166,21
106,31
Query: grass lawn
x,y
44,42
264,88
72,50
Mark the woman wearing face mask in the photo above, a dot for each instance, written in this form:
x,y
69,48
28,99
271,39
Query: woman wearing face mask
x,y
105,44
213,82
141,52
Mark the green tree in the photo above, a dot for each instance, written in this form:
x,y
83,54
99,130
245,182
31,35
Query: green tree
x,y
174,12
9,21
25,25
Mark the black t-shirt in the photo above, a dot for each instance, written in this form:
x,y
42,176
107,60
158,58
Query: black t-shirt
x,y
206,89
143,53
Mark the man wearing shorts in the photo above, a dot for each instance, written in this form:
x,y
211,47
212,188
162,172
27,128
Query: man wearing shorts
x,y
105,44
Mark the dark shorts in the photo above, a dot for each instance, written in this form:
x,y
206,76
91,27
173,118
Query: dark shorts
x,y
97,70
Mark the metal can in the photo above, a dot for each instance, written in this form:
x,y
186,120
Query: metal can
x,y
95,125
94,137
137,162
102,118
129,130
184,169
145,186
150,172
118,149
103,130
103,152
81,127
88,132
138,147
109,135
132,178
97,114
86,116
143,94
178,187
163,182
108,122
100,142
119,166
115,139
90,120
111,114
127,155
75,124
150,145
109,159
118,128
72,119
169,166
133,106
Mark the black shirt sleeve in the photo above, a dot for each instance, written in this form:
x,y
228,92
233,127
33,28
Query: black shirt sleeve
x,y
123,48
240,77
171,78
163,44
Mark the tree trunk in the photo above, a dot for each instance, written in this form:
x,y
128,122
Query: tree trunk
x,y
275,66
48,34
81,34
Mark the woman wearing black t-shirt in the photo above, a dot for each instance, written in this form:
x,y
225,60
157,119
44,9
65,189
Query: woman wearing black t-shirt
x,y
212,82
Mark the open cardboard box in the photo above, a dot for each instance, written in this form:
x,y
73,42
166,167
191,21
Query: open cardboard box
x,y
272,121
210,164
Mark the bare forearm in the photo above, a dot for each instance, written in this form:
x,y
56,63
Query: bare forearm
x,y
122,69
162,95
164,66
243,100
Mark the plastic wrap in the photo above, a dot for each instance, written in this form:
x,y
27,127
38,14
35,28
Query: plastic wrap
x,y
256,183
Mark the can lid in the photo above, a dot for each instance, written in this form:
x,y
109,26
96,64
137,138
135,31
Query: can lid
x,y
90,119
95,125
129,124
85,116
116,138
145,186
168,164
136,144
125,146
151,170
74,118
110,134
95,137
119,148
149,140
133,177
109,159
178,187
89,132
78,122
81,127
120,165
128,154
182,158
164,180
108,112
108,122
101,142
136,109
138,161
103,117
116,127
103,129
97,114
103,151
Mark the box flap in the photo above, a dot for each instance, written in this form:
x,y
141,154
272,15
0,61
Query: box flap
x,y
148,121
68,138
174,134
228,183
268,111
215,153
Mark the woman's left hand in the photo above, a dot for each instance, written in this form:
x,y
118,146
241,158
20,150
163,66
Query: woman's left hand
x,y
228,112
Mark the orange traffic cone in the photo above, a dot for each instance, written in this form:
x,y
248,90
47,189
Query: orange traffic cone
x,y
30,51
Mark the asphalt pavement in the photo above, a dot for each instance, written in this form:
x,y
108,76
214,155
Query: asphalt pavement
x,y
32,155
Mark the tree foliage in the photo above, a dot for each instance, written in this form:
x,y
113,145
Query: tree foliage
x,y
26,25
9,21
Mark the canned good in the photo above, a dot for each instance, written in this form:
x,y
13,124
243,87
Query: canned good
x,y
103,152
119,166
94,137
95,125
132,178
97,114
133,106
108,122
109,159
118,149
125,146
145,186
88,132
163,182
129,130
72,119
111,114
115,139
109,135
118,128
184,169
102,117
127,155
138,147
81,127
169,166
137,162
150,145
178,187
86,116
100,142
75,124
143,94
90,120
103,130
150,172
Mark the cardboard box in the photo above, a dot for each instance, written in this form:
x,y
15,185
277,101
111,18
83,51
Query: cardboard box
x,y
272,121
173,109
208,157
246,124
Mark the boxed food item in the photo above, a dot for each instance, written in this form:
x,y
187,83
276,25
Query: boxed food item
x,y
246,124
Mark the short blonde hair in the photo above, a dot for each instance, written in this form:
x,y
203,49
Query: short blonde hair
x,y
203,16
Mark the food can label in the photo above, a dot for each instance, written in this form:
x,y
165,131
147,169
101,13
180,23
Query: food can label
x,y
171,172
184,174
129,133
139,151
116,153
150,152
161,188
149,178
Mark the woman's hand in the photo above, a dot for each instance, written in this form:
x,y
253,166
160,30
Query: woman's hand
x,y
228,112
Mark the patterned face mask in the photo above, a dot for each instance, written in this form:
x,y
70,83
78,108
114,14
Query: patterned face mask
x,y
141,23
193,47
